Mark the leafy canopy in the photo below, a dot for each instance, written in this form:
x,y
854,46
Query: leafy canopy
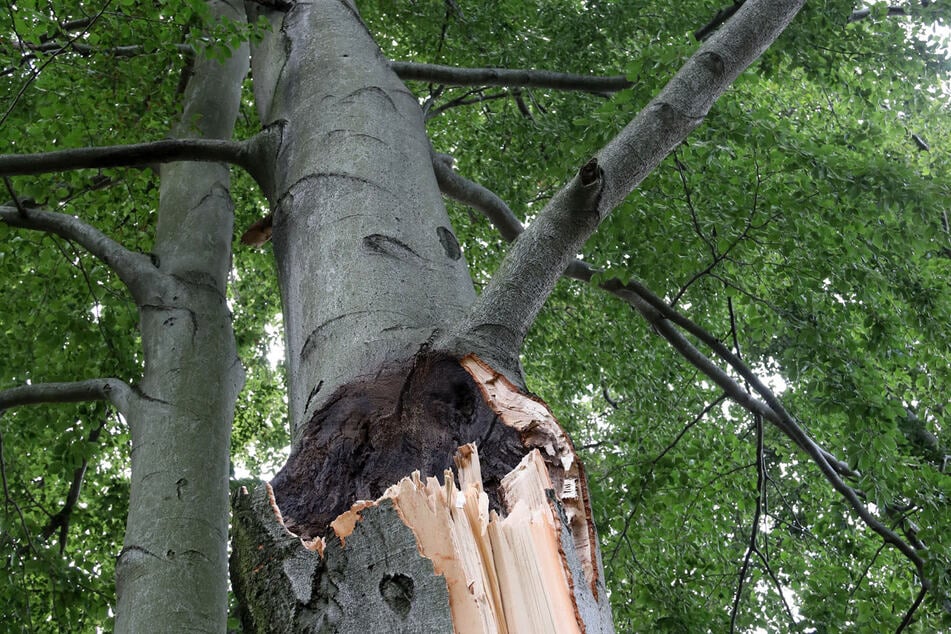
x,y
802,224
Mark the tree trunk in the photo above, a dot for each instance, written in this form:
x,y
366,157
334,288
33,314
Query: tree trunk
x,y
538,569
371,275
178,510
367,263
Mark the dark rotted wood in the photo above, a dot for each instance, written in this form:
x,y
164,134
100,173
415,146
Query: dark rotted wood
x,y
371,433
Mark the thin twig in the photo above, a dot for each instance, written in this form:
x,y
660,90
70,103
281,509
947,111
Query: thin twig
x,y
462,101
777,584
62,518
754,529
636,504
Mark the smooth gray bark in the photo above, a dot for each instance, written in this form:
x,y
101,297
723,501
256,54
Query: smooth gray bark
x,y
514,78
113,390
172,573
368,266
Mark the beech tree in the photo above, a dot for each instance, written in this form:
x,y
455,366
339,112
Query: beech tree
x,y
677,272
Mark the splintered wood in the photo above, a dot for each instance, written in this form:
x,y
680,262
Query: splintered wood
x,y
505,575
539,430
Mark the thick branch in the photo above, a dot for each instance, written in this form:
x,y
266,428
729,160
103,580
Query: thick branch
x,y
685,101
135,155
245,154
73,25
507,308
735,362
754,524
134,269
910,614
54,47
454,76
115,391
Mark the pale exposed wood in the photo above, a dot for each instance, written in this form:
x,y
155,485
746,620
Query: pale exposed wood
x,y
427,508
345,522
513,572
504,575
539,430
535,584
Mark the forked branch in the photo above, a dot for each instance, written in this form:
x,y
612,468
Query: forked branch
x,y
500,318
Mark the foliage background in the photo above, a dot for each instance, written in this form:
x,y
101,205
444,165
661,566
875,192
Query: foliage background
x,y
801,224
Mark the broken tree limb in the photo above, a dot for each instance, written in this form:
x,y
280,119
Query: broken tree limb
x,y
425,541
525,561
